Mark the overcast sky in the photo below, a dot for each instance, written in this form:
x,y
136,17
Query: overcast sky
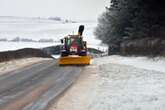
x,y
70,9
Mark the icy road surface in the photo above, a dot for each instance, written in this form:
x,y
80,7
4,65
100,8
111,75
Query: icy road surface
x,y
117,83
33,87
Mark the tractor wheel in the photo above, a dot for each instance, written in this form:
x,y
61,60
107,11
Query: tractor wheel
x,y
83,54
64,54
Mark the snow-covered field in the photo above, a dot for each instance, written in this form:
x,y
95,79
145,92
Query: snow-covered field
x,y
5,46
118,83
12,27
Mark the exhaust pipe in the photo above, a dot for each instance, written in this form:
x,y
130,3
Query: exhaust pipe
x,y
81,30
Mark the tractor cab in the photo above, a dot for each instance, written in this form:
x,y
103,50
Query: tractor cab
x,y
73,45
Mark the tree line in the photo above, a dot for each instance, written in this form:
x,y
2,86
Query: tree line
x,y
129,20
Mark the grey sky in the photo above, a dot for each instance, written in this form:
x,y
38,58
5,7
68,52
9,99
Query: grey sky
x,y
71,9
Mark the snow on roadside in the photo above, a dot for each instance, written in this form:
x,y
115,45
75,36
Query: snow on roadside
x,y
123,87
110,83
156,64
128,88
19,63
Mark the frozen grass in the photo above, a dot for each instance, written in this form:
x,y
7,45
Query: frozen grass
x,y
118,83
127,88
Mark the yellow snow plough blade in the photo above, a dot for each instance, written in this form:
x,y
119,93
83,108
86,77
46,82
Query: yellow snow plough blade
x,y
75,60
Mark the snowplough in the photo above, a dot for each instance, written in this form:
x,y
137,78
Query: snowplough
x,y
74,50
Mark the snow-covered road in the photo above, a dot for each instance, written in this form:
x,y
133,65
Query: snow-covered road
x,y
118,83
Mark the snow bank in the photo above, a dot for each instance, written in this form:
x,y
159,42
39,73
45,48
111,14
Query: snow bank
x,y
17,64
156,64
